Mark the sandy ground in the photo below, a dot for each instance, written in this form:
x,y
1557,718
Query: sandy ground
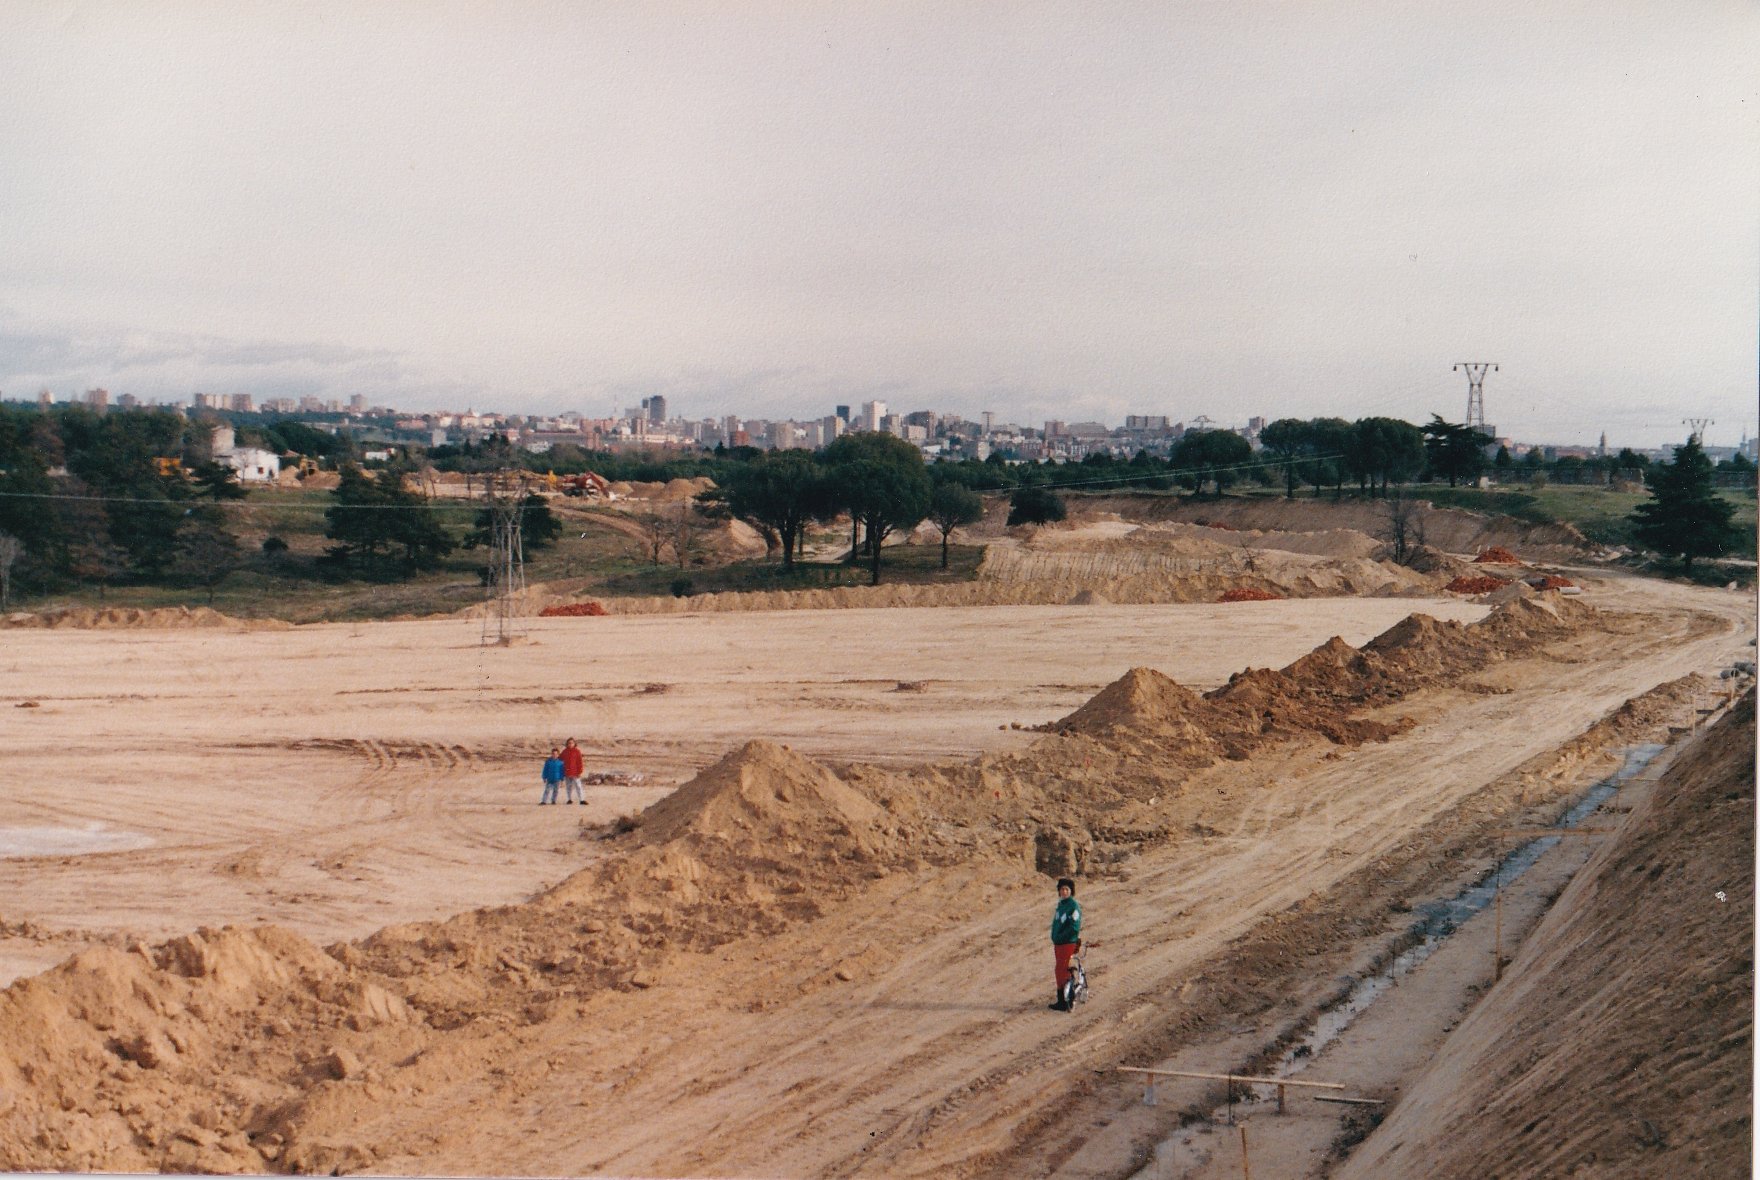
x,y
334,780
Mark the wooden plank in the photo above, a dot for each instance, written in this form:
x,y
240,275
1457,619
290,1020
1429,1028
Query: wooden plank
x,y
1228,1077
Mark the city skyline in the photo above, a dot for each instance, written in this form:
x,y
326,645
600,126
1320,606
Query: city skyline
x,y
1163,209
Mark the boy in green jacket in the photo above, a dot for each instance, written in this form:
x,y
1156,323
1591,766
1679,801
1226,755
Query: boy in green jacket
x,y
1066,935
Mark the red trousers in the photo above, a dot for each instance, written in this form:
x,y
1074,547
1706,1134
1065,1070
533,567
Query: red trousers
x,y
1065,952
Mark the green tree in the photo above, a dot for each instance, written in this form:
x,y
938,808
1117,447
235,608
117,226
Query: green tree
x,y
1383,451
118,457
375,515
538,526
1326,468
1211,456
1455,450
27,508
207,555
1035,503
1684,516
217,480
1289,440
880,479
950,506
11,549
290,434
781,491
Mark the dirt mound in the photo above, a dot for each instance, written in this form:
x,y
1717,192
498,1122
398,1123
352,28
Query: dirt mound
x,y
1525,619
1426,560
1248,594
161,1018
766,794
1498,555
117,617
1142,700
1620,1043
668,492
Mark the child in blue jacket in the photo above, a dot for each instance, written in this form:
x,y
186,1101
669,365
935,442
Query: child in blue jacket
x,y
552,776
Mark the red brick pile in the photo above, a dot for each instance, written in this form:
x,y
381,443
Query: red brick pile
x,y
1248,594
1551,582
1483,584
571,610
1498,555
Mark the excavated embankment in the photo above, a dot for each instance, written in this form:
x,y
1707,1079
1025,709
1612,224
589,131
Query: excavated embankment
x,y
250,1049
1620,1042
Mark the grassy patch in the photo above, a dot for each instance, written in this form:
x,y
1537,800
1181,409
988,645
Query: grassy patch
x,y
1600,513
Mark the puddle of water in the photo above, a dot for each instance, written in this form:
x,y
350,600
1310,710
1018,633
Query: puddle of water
x,y
16,843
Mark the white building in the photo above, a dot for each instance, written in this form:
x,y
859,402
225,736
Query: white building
x,y
253,464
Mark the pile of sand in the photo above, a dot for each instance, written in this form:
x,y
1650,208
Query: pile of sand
x,y
1621,1041
116,617
1320,693
669,491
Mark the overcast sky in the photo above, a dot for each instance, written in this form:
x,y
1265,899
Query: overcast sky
x,y
1074,210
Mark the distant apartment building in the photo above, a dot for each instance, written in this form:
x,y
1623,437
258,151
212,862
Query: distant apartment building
x,y
127,401
842,412
655,407
357,403
238,403
98,399
1146,422
873,415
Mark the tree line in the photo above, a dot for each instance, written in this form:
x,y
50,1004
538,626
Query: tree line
x,y
101,498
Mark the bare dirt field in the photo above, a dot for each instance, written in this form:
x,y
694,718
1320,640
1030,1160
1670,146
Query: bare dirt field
x,y
336,778
823,954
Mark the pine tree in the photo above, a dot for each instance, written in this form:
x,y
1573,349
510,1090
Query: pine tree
x,y
1684,516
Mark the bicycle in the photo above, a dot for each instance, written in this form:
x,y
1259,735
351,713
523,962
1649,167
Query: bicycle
x,y
1075,988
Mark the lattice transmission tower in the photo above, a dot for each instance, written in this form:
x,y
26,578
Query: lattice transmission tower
x,y
1476,371
506,583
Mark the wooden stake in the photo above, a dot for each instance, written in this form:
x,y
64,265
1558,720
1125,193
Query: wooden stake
x,y
1246,1166
1497,938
